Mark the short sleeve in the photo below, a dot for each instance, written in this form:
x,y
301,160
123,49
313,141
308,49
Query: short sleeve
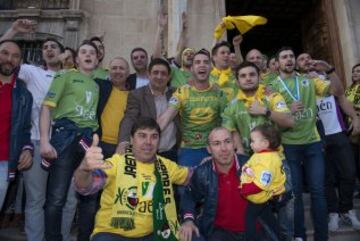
x,y
278,104
56,90
321,87
25,72
176,99
178,174
113,161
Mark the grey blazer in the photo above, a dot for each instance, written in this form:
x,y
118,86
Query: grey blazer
x,y
141,102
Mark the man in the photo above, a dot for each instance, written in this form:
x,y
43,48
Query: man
x,y
137,202
72,99
139,61
15,117
151,101
99,72
340,163
215,184
112,104
302,142
222,74
199,107
256,57
253,106
38,81
110,111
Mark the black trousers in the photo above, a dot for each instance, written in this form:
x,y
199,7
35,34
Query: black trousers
x,y
262,213
340,171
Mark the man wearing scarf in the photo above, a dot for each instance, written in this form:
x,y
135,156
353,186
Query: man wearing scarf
x,y
253,106
137,202
222,74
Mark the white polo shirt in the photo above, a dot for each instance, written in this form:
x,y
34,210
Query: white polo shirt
x,y
38,81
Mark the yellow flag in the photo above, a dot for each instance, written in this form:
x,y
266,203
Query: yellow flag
x,y
241,23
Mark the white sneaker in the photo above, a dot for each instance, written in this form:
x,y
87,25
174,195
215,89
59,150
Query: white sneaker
x,y
333,224
298,239
351,218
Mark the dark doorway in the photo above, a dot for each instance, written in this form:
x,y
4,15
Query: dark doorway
x,y
306,25
284,27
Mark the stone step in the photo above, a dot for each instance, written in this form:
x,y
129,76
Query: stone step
x,y
345,232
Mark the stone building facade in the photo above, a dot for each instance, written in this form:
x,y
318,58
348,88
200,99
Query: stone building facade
x,y
125,24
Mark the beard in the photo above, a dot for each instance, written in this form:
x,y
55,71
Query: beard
x,y
250,88
287,70
7,71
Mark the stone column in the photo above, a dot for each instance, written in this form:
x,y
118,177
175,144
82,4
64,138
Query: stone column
x,y
203,16
348,20
175,10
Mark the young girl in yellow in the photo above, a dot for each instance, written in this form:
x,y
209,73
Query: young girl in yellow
x,y
262,178
264,168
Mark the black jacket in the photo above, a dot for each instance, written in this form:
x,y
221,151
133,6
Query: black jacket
x,y
203,189
21,106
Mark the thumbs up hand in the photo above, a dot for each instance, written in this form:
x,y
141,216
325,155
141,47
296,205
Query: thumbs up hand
x,y
94,159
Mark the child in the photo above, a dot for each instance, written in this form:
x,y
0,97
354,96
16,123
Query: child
x,y
262,178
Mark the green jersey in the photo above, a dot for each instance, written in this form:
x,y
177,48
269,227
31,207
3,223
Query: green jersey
x,y
267,78
303,89
200,112
74,95
226,81
100,73
179,77
237,118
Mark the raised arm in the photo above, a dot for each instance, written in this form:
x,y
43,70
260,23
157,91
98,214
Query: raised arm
x,y
93,160
161,23
19,26
236,43
182,38
336,87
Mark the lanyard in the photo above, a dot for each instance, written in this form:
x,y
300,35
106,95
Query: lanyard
x,y
294,96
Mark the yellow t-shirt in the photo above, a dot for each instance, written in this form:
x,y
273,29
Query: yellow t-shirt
x,y
146,182
268,175
112,115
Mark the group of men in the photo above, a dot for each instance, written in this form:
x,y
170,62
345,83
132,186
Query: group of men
x,y
135,135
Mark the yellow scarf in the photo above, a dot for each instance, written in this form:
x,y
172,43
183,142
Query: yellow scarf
x,y
222,75
260,95
128,192
242,23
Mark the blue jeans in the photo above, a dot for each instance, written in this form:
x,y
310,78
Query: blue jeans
x,y
35,180
191,157
59,180
308,157
115,237
4,183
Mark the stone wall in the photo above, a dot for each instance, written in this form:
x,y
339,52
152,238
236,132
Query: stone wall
x,y
348,17
126,24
